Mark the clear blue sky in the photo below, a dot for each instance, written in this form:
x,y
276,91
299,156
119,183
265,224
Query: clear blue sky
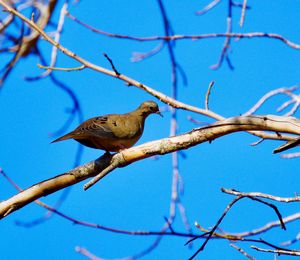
x,y
137,197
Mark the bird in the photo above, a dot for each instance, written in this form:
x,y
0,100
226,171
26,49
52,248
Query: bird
x,y
113,132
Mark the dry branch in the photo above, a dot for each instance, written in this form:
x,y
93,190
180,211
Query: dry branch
x,y
159,147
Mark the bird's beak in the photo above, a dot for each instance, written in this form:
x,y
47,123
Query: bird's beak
x,y
159,113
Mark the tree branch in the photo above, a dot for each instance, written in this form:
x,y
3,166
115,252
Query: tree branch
x,y
159,147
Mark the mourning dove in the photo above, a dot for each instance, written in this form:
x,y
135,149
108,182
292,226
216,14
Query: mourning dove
x,y
113,132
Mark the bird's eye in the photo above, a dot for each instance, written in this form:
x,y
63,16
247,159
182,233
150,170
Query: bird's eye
x,y
151,108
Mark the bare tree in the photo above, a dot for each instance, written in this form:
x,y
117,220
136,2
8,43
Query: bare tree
x,y
22,36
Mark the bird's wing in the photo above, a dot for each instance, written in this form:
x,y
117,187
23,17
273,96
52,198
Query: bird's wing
x,y
98,126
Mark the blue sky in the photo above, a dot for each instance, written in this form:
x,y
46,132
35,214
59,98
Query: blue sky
x,y
137,197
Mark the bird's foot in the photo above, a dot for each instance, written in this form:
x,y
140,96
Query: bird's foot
x,y
107,153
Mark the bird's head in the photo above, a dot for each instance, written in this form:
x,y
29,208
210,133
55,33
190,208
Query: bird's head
x,y
149,107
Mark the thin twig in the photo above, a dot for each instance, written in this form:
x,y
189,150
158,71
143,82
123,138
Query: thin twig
x,y
114,164
56,38
61,69
290,155
243,252
267,96
229,206
112,64
226,45
242,236
278,251
169,224
138,56
242,19
257,142
87,253
261,195
284,105
197,37
208,94
292,241
212,231
208,7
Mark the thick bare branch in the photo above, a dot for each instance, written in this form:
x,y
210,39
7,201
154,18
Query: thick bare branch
x,y
158,147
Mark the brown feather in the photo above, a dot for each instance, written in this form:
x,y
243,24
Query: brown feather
x,y
113,132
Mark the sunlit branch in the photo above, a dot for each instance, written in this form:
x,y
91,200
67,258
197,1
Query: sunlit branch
x,y
159,147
